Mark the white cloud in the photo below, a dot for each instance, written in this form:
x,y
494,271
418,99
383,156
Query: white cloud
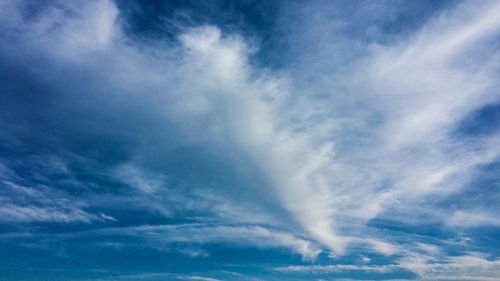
x,y
14,213
325,269
148,182
107,217
289,160
255,236
195,253
473,266
250,235
473,218
394,112
199,278
22,204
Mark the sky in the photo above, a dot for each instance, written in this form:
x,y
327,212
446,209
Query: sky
x,y
249,140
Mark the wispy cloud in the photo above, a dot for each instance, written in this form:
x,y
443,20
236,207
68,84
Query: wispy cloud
x,y
473,266
200,278
209,234
325,269
468,267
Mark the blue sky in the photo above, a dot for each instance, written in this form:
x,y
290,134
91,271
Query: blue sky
x,y
249,140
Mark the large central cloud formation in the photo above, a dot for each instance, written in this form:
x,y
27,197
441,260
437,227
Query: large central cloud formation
x,y
312,153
